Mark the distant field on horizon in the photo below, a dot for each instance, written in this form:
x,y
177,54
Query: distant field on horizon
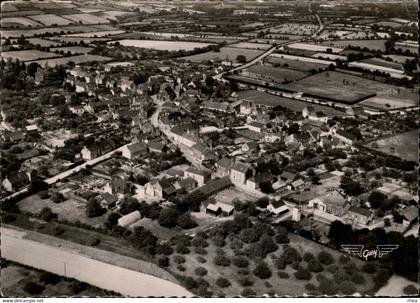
x,y
162,45
226,53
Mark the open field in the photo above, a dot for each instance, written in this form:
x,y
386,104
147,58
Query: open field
x,y
298,62
249,45
226,53
404,146
43,42
398,58
78,39
269,41
163,45
276,74
370,44
329,57
97,34
288,37
388,103
70,210
313,47
114,15
395,73
86,19
27,55
72,49
291,104
331,85
49,19
384,63
18,22
79,59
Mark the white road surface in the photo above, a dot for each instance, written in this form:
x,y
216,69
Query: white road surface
x,y
72,263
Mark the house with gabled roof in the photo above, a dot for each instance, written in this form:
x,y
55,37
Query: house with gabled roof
x,y
159,188
15,181
134,150
223,167
200,176
332,202
277,207
239,172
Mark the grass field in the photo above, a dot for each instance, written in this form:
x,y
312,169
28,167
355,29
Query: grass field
x,y
226,53
249,45
384,63
404,146
388,103
291,104
97,34
294,28
313,47
72,49
18,22
70,210
43,42
370,44
49,19
163,45
330,85
86,19
27,55
298,63
79,59
276,74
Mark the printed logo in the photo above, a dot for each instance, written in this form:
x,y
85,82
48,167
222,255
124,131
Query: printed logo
x,y
378,252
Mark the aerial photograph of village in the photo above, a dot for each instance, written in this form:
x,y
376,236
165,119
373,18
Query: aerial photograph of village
x,y
181,148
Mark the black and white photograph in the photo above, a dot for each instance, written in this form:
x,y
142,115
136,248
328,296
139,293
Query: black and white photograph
x,y
194,149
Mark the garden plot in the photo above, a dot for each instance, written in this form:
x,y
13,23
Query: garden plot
x,y
43,42
18,22
226,53
86,19
313,47
27,55
249,45
50,19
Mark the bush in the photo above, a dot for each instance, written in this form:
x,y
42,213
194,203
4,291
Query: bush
x,y
201,282
327,288
350,268
219,241
245,281
182,249
8,218
240,261
369,268
347,288
46,214
200,251
33,288
283,275
303,274
310,287
164,249
262,202
381,277
57,231
219,251
163,261
248,292
94,209
222,282
332,268
179,259
308,257
189,282
325,258
181,268
291,255
411,290
341,276
200,271
262,271
358,278
93,241
57,197
280,263
321,277
222,260
199,242
200,259
282,239
43,194
77,287
315,266
49,278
